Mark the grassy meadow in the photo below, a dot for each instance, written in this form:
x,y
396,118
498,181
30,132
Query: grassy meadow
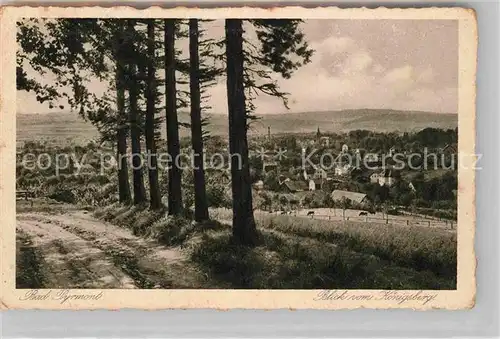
x,y
298,253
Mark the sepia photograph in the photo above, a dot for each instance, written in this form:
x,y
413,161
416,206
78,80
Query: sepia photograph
x,y
206,152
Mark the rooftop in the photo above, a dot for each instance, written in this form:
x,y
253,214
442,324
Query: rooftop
x,y
353,196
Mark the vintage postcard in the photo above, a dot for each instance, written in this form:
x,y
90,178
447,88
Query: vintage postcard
x,y
237,158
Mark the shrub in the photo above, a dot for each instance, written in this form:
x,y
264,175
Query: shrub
x,y
216,196
127,217
52,180
100,179
171,230
144,219
63,195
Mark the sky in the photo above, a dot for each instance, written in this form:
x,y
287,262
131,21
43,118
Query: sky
x,y
380,64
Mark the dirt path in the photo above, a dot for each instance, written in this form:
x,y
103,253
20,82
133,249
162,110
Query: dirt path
x,y
75,250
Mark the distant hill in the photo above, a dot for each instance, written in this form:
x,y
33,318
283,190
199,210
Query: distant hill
x,y
65,127
348,120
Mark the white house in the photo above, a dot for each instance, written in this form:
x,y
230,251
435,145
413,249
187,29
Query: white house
x,y
324,141
412,187
371,157
386,181
315,184
392,151
320,173
374,178
343,169
386,178
383,178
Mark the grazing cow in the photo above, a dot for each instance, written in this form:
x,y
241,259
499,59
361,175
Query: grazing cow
x,y
310,213
283,212
363,213
372,212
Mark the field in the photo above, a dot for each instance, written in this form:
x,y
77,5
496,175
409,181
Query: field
x,y
68,127
407,219
61,245
77,235
384,256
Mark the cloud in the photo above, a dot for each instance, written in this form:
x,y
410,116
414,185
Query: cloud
x,y
399,75
357,63
344,74
350,70
427,76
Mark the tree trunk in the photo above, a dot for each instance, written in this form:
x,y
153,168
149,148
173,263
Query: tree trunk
x,y
154,191
135,130
122,126
244,229
121,137
174,173
200,196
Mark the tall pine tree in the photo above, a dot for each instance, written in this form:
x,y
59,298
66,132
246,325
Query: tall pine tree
x,y
244,229
122,120
280,41
200,196
173,144
154,190
132,85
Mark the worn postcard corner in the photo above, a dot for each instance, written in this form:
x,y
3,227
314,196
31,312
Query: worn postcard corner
x,y
225,158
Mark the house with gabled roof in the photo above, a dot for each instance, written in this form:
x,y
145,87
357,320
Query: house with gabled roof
x,y
293,186
355,197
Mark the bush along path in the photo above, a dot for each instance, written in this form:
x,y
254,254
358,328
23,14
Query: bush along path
x,y
75,250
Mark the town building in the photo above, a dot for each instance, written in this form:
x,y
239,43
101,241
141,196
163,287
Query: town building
x,y
374,177
269,165
316,184
355,197
385,177
324,141
412,187
392,151
292,186
319,173
342,170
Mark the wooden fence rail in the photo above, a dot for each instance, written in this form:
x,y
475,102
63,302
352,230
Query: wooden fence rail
x,y
448,224
25,195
